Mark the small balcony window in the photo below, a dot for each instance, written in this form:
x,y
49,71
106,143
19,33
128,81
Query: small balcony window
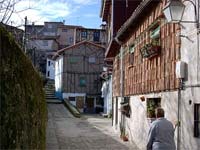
x,y
82,82
96,36
131,54
45,43
92,60
84,34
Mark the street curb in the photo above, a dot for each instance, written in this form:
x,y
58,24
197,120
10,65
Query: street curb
x,y
72,108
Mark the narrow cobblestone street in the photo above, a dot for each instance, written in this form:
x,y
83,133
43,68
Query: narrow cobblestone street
x,y
90,132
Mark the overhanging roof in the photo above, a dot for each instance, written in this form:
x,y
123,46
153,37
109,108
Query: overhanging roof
x,y
105,9
74,46
141,11
112,49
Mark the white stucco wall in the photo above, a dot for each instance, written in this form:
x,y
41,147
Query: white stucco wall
x,y
107,95
190,51
67,95
137,126
190,54
58,74
116,125
50,72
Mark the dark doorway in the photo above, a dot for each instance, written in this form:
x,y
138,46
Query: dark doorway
x,y
89,105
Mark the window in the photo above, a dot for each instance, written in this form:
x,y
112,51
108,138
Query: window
x,y
84,34
153,46
125,107
73,60
64,30
197,120
45,43
82,81
48,73
71,98
152,104
49,26
71,39
96,83
96,36
49,63
131,55
92,60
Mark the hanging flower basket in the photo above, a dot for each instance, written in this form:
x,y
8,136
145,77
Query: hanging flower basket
x,y
150,50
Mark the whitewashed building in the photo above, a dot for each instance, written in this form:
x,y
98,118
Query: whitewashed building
x,y
107,95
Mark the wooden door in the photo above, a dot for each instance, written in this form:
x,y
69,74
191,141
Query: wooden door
x,y
90,105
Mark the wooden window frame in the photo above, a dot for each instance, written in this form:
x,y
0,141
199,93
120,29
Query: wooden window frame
x,y
131,54
84,34
80,82
152,104
197,120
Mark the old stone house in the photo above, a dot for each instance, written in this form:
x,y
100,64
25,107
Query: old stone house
x,y
77,75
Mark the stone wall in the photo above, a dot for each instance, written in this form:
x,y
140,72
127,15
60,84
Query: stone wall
x,y
22,100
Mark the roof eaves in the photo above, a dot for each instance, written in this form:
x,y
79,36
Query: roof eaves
x,y
77,44
132,20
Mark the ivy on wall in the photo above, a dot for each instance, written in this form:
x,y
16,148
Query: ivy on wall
x,y
22,101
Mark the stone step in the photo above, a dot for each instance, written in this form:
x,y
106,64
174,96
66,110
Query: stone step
x,y
50,93
54,101
49,87
50,84
51,97
50,90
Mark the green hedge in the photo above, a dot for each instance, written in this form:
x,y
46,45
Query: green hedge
x,y
22,101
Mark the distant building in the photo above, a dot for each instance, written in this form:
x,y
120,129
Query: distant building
x,y
45,40
77,75
42,42
67,35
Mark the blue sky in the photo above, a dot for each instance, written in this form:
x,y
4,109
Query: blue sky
x,y
74,12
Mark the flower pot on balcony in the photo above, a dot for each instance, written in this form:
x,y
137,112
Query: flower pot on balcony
x,y
150,50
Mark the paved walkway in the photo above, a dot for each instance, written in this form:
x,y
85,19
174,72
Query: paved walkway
x,y
90,132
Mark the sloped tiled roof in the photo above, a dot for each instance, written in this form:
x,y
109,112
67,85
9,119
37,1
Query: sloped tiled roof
x,y
76,45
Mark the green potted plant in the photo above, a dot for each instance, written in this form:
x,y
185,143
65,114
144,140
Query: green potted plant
x,y
123,134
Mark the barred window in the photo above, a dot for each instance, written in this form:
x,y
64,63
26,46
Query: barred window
x,y
197,120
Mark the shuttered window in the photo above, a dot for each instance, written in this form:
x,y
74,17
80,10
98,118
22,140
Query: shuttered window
x,y
197,120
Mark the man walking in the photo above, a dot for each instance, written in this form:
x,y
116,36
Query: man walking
x,y
161,133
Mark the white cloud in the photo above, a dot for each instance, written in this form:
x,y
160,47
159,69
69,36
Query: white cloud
x,y
40,11
85,2
90,15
